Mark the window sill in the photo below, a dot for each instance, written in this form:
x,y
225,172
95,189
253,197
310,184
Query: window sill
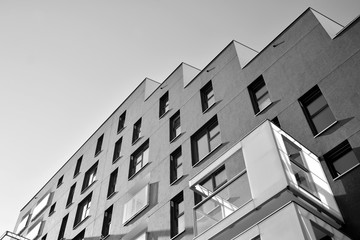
x,y
111,195
264,109
104,237
98,153
75,175
120,130
209,108
346,172
79,223
68,205
176,137
136,214
180,233
163,115
135,141
132,176
327,128
50,214
207,155
85,189
59,185
116,159
176,180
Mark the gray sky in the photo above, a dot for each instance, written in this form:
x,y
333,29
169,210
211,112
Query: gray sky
x,y
66,65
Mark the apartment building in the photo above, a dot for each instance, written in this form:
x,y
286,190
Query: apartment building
x,y
257,145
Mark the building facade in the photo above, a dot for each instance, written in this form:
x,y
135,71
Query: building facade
x,y
257,145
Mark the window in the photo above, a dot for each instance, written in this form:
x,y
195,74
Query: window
x,y
139,159
117,150
80,236
316,110
164,104
321,233
107,222
205,140
35,231
177,215
22,225
299,168
112,183
121,123
40,206
207,96
78,166
176,165
341,159
44,237
175,126
71,195
99,145
259,95
136,204
52,209
276,121
63,227
136,131
60,181
83,210
90,176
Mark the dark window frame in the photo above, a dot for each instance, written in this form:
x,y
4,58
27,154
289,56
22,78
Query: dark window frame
x,y
176,214
78,166
86,202
80,236
136,131
117,150
88,177
207,93
105,230
135,156
121,122
254,88
175,124
70,198
164,104
112,183
60,181
52,209
175,165
99,143
63,227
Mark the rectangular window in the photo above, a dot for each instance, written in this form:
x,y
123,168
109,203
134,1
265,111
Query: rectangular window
x,y
276,121
176,165
90,176
136,204
23,224
136,131
259,95
99,145
52,209
44,237
164,104
175,125
316,110
121,123
80,236
341,159
83,210
107,222
71,195
60,181
207,96
321,233
78,166
177,215
205,140
139,159
117,150
112,183
35,231
41,205
299,167
63,227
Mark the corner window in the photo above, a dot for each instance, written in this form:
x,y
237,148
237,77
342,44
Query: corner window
x,y
106,222
78,166
164,104
205,140
316,110
83,210
63,227
136,131
71,195
207,96
177,215
341,159
139,159
117,150
136,204
121,123
175,126
99,145
259,95
90,176
112,183
176,165
60,181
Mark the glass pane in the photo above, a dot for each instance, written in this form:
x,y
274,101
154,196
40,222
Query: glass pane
x,y
179,172
141,237
215,142
178,131
294,152
137,203
202,147
181,224
180,207
316,105
259,93
211,100
323,119
346,162
220,178
303,179
145,156
264,102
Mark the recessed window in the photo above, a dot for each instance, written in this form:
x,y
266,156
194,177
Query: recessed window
x,y
121,123
63,227
23,224
276,121
259,95
83,210
90,176
44,237
177,215
176,165
60,181
164,104
78,166
71,195
52,209
107,222
117,150
112,183
205,140
40,206
341,159
99,145
175,125
136,204
136,131
207,96
316,110
35,231
80,236
139,159
321,233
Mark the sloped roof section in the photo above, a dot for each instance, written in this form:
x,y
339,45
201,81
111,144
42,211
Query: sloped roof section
x,y
245,53
330,26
